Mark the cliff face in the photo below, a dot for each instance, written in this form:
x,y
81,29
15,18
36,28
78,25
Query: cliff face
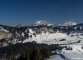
x,y
5,35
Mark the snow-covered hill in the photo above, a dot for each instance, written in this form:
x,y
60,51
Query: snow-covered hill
x,y
67,56
76,53
67,23
55,38
19,25
41,23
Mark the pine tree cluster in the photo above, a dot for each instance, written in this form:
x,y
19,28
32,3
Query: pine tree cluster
x,y
36,54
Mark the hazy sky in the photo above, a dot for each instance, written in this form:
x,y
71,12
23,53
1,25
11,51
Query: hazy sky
x,y
13,12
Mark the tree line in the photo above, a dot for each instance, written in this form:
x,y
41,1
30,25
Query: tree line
x,y
36,53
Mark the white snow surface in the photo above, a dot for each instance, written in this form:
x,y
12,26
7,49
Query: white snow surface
x,y
76,53
54,38
4,30
46,37
67,56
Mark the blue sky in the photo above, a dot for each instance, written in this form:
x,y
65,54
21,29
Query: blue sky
x,y
13,12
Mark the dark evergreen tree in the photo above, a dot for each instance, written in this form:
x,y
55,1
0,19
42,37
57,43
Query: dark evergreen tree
x,y
13,57
45,52
36,54
27,55
22,55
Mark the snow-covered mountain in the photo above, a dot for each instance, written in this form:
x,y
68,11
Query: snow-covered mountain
x,y
41,28
42,32
41,23
19,25
68,35
67,23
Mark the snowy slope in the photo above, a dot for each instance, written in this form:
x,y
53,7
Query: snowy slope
x,y
47,37
73,40
67,56
76,53
4,30
54,38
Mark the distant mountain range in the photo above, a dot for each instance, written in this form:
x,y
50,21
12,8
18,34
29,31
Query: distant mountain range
x,y
40,32
44,23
